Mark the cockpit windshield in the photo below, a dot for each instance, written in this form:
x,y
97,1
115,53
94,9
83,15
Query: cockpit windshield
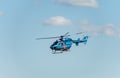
x,y
55,43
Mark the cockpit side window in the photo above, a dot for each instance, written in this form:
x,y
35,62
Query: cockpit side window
x,y
60,43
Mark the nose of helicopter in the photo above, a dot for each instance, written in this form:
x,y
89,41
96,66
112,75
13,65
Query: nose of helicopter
x,y
52,47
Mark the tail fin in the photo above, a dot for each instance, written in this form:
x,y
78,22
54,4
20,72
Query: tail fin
x,y
85,39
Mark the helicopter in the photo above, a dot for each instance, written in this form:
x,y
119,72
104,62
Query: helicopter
x,y
64,42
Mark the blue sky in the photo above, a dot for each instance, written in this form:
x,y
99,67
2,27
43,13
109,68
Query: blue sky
x,y
21,21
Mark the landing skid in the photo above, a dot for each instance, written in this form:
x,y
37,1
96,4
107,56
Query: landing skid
x,y
60,51
56,52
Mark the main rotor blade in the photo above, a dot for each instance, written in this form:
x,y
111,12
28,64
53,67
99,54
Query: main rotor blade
x,y
66,34
46,38
80,33
54,37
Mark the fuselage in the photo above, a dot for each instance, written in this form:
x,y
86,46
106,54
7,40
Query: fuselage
x,y
62,45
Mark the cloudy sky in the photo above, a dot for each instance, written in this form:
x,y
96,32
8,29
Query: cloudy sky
x,y
21,21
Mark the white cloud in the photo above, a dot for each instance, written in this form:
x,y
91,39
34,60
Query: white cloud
x,y
84,26
57,21
96,30
79,3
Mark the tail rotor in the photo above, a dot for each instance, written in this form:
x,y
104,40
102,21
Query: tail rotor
x,y
85,39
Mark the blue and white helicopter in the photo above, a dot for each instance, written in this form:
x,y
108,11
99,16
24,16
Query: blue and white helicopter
x,y
64,43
